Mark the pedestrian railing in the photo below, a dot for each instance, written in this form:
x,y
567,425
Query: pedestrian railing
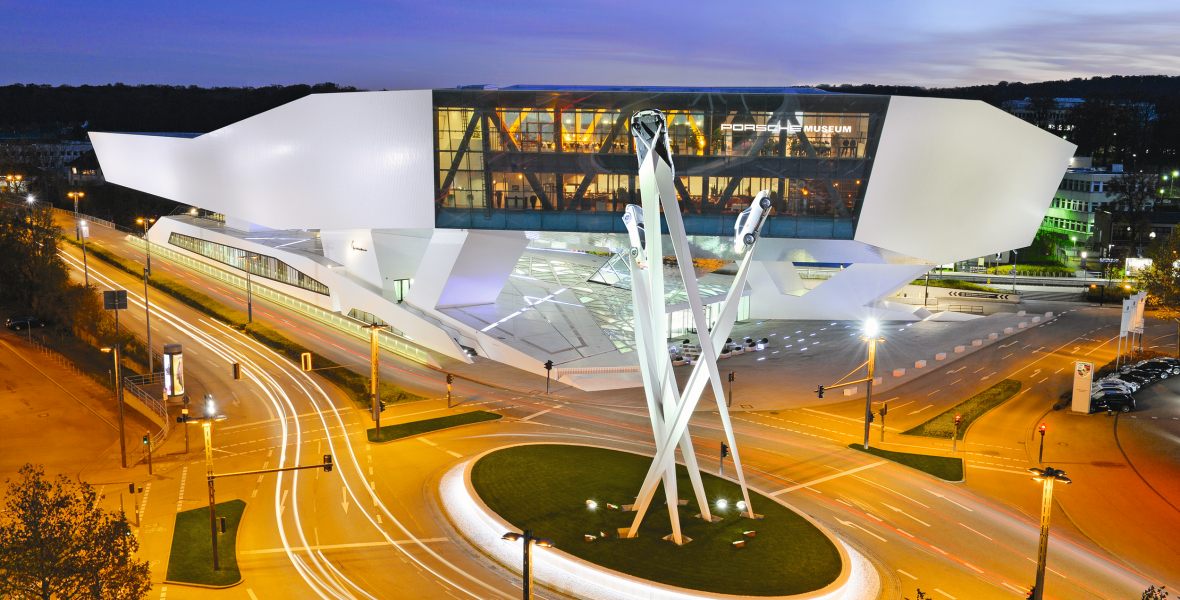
x,y
346,324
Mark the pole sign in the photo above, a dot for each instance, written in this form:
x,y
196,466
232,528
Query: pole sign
x,y
85,230
1128,319
1083,379
173,370
114,300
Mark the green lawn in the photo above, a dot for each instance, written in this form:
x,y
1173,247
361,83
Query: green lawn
x,y
943,425
390,433
545,487
942,467
191,559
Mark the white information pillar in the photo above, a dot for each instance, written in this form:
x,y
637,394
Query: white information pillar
x,y
670,409
1083,378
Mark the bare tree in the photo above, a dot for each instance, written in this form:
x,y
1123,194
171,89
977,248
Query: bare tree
x,y
1134,196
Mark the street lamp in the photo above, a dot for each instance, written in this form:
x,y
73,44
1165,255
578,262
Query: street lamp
x,y
1047,476
114,350
870,336
147,244
528,539
77,225
375,377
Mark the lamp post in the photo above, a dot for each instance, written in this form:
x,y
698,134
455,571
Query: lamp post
x,y
249,289
1041,452
870,336
529,539
375,376
147,244
114,350
1047,476
1014,253
85,265
77,225
147,320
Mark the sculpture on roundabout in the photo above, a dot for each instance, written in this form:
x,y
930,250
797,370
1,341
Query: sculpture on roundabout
x,y
669,407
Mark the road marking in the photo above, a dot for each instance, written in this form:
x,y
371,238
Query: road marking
x,y
343,546
426,441
537,414
248,590
891,491
956,370
851,524
1007,356
988,375
972,567
978,370
898,510
972,530
828,478
1039,382
180,500
949,500
1012,344
1013,588
956,381
933,393
907,574
455,454
147,488
344,497
944,593
906,533
282,503
921,409
853,419
939,550
975,466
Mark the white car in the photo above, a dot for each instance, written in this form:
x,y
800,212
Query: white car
x,y
749,222
633,220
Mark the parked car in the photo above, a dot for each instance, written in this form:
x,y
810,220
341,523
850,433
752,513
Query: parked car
x,y
1151,375
1114,385
1112,401
21,323
1134,385
1172,368
1139,379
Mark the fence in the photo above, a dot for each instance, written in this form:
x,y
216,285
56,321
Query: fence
x,y
343,323
61,212
966,308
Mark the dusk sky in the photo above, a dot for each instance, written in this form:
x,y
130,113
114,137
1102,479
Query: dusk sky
x,y
397,45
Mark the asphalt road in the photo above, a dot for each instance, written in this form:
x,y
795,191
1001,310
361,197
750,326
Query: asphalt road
x,y
368,529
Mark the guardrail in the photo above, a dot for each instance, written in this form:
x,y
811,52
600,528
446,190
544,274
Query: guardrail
x,y
89,219
341,322
966,308
148,399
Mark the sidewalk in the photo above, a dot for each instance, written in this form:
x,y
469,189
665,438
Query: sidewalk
x,y
1109,501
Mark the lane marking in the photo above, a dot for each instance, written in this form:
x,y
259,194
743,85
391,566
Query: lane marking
x,y
828,478
944,593
972,530
907,574
851,524
455,454
956,381
949,500
890,490
939,550
972,567
975,466
921,409
898,510
342,546
537,414
1013,588
933,393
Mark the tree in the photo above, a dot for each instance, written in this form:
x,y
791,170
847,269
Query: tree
x,y
56,543
1161,280
1134,196
1154,593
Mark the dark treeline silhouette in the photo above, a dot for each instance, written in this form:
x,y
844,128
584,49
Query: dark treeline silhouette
x,y
1132,88
61,110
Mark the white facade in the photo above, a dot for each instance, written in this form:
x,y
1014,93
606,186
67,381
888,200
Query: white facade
x,y
358,170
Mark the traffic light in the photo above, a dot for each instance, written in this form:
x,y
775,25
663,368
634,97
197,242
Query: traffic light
x,y
872,417
327,463
145,439
820,391
548,366
733,375
958,420
237,371
884,409
305,361
451,378
382,402
1041,429
724,450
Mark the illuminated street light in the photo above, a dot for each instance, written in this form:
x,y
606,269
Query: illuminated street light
x,y
1047,476
529,541
870,336
146,243
76,196
114,350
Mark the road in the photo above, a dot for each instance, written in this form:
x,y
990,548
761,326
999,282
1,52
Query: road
x,y
368,528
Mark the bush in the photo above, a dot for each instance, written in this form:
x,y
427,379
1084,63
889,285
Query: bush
x,y
1033,270
958,284
943,425
1113,293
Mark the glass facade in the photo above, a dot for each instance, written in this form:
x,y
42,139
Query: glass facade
x,y
564,160
259,265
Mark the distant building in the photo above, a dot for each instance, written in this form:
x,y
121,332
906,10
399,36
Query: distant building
x,y
41,154
1080,196
84,170
1054,117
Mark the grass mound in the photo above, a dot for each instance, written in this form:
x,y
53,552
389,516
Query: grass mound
x,y
191,558
544,487
943,425
942,467
390,433
958,284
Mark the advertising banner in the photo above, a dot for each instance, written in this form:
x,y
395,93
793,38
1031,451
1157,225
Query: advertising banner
x,y
1126,324
173,370
1083,379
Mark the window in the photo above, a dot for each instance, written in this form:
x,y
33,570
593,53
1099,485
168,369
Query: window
x,y
259,265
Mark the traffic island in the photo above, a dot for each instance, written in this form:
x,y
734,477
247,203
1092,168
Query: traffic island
x,y
943,425
191,560
943,467
399,431
575,496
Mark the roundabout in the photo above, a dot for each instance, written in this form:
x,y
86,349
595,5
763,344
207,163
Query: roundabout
x,y
577,495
